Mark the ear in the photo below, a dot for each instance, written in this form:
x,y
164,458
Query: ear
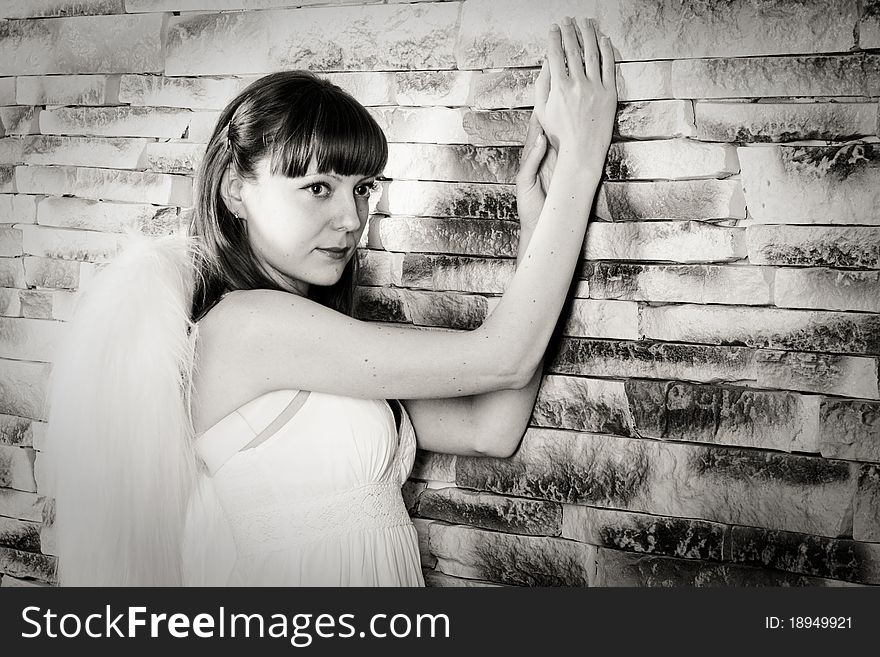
x,y
230,192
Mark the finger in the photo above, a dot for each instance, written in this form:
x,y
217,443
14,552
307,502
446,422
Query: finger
x,y
533,131
573,52
528,170
608,75
591,52
555,54
542,86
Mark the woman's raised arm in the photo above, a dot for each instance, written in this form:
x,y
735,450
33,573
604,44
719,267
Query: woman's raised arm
x,y
274,340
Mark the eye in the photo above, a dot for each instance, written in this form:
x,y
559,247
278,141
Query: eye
x,y
318,189
367,188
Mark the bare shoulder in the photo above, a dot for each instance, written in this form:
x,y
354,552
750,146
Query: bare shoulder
x,y
226,377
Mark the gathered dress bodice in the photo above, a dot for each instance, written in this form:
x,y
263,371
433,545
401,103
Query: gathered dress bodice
x,y
317,501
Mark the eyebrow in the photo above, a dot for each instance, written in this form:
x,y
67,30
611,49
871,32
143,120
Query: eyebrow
x,y
335,176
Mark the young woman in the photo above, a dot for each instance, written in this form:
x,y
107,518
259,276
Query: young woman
x,y
235,430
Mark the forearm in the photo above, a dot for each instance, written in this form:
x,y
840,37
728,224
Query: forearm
x,y
505,414
527,313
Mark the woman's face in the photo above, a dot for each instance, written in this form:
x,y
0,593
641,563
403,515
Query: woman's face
x,y
305,230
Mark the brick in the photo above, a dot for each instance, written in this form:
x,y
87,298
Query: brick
x,y
105,184
111,153
10,242
18,120
761,77
566,402
446,88
493,512
763,122
656,119
21,505
423,528
449,310
18,209
670,159
11,149
370,37
411,490
201,127
119,44
172,157
495,127
850,247
676,241
686,199
10,303
369,88
820,184
514,33
511,559
19,563
162,122
723,415
23,386
777,328
7,179
462,163
433,466
65,244
642,359
626,569
440,199
646,534
36,304
48,541
869,26
379,267
49,8
808,555
721,484
436,579
866,519
513,88
7,92
29,339
601,319
17,467
455,273
833,374
12,272
439,125
741,285
828,289
19,534
850,429
507,89
67,90
184,92
51,273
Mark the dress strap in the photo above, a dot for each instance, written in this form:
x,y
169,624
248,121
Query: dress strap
x,y
233,433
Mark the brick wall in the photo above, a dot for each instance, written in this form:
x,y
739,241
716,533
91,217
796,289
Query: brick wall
x,y
710,415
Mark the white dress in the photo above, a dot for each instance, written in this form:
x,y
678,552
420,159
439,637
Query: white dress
x,y
317,503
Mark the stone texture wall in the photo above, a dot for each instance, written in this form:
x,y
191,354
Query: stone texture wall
x,y
710,414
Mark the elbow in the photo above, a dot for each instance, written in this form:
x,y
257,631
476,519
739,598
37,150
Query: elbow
x,y
497,451
499,446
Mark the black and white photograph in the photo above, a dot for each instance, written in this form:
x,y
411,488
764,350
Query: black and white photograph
x,y
460,294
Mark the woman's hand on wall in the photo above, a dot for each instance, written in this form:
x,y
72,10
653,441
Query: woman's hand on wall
x,y
576,93
535,172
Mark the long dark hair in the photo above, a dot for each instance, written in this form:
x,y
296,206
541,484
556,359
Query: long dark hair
x,y
291,117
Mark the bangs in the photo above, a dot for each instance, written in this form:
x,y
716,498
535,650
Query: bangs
x,y
334,129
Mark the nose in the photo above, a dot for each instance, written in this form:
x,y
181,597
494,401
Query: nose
x,y
346,214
